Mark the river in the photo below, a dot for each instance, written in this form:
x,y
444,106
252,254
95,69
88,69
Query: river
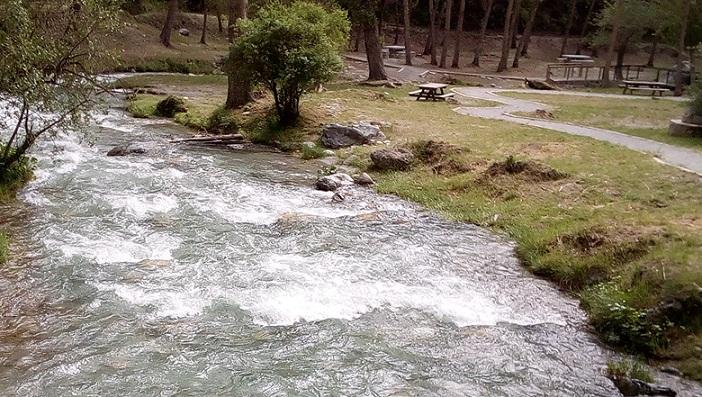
x,y
191,271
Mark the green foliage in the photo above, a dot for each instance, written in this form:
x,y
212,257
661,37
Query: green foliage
x,y
696,102
167,65
613,314
290,49
16,176
629,369
3,248
170,106
222,121
312,152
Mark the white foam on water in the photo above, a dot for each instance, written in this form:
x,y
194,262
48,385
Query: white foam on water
x,y
168,303
141,205
113,248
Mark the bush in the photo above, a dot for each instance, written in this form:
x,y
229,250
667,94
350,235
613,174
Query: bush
x,y
15,177
170,106
222,121
696,103
312,152
629,369
290,49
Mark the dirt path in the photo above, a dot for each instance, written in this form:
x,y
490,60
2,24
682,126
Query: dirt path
x,y
686,159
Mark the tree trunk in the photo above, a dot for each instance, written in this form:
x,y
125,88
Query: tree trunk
x,y
527,34
376,69
459,34
168,24
506,38
619,11
654,48
516,14
483,29
238,85
203,38
681,48
569,26
586,24
432,31
220,27
618,68
408,44
357,42
447,32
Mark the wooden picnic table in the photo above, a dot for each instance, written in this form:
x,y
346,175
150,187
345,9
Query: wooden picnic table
x,y
654,87
433,91
394,50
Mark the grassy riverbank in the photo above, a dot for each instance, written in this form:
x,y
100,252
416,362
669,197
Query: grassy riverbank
x,y
10,183
645,117
609,225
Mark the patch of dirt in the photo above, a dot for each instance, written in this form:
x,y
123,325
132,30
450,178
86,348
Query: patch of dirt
x,y
543,114
451,167
624,243
433,152
530,170
541,151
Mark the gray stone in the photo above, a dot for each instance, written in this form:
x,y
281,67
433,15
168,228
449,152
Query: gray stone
x,y
672,371
364,179
329,153
124,150
338,197
635,387
309,145
184,32
392,159
336,136
330,183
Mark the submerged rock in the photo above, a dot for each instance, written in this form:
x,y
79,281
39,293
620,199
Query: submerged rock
x,y
635,387
125,150
336,136
330,183
392,159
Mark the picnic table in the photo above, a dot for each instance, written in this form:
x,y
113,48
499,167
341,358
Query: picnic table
x,y
654,87
572,58
394,50
433,91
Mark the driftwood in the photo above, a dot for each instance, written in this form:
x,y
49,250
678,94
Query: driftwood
x,y
213,140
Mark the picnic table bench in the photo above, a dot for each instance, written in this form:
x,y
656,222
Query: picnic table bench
x,y
393,51
433,91
568,58
654,87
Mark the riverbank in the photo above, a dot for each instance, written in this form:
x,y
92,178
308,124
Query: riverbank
x,y
619,230
12,182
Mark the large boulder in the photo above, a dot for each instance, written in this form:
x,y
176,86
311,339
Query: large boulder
x,y
635,387
392,159
336,136
125,150
330,183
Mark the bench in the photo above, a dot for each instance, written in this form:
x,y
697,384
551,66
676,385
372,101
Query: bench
x,y
652,90
654,87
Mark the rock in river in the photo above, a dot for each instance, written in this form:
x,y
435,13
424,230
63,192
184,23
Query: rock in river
x,y
336,136
330,183
392,159
124,150
635,387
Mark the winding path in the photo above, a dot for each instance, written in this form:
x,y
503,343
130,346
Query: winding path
x,y
683,158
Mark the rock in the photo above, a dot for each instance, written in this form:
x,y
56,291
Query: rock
x,y
540,85
392,159
672,371
184,32
309,145
329,153
124,150
635,387
330,183
336,136
364,179
338,198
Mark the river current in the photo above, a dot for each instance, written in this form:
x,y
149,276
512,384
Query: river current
x,y
192,271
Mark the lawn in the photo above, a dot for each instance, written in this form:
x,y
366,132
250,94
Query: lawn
x,y
644,117
607,224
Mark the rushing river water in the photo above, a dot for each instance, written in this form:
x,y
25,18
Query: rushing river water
x,y
193,271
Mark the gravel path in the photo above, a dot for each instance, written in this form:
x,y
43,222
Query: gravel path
x,y
683,158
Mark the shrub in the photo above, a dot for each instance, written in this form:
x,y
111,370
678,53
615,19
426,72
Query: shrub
x,y
312,152
222,120
289,49
696,102
629,369
14,177
170,106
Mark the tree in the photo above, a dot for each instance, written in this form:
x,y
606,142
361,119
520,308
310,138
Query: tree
x,y
569,26
203,37
516,15
168,23
238,85
406,20
487,6
586,24
681,48
506,37
459,34
364,13
48,74
447,33
431,43
289,49
616,22
521,48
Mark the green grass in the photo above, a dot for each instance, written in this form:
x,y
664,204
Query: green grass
x,y
4,247
10,183
176,80
312,152
645,117
629,369
615,228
